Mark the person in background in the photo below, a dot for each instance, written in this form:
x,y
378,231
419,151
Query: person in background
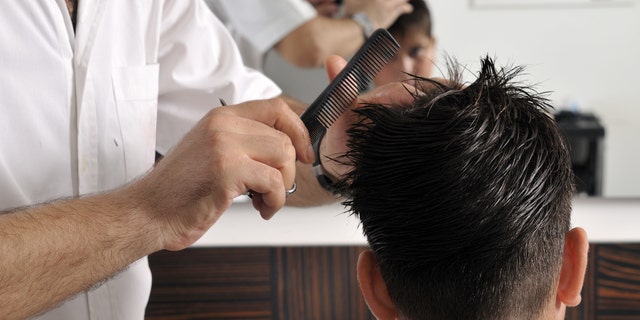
x,y
416,56
304,32
89,91
465,200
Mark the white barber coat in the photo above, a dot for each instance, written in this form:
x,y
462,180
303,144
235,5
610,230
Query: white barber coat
x,y
79,112
258,25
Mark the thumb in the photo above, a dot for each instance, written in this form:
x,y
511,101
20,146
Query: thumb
x,y
333,65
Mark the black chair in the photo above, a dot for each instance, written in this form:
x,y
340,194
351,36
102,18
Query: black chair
x,y
584,136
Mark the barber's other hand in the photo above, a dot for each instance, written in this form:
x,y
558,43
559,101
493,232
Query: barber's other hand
x,y
326,8
382,13
335,140
232,149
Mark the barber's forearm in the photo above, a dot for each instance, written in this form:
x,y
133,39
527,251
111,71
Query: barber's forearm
x,y
314,41
53,251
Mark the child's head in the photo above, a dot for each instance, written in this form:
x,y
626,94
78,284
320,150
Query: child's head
x,y
417,46
465,200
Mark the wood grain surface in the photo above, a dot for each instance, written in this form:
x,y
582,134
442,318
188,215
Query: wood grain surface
x,y
320,283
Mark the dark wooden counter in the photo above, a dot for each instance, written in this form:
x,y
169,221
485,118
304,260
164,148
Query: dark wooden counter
x,y
320,283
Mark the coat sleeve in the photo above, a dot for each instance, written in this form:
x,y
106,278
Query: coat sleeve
x,y
264,23
198,64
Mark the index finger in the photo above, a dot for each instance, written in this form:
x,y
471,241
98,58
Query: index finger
x,y
276,113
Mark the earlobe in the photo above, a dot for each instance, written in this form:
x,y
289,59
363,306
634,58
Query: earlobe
x,y
434,42
432,49
374,288
574,266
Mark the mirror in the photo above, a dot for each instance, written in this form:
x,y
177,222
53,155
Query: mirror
x,y
585,53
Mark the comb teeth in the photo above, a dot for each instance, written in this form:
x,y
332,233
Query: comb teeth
x,y
344,89
356,81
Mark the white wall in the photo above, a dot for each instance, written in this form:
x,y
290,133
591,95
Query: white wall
x,y
587,55
605,220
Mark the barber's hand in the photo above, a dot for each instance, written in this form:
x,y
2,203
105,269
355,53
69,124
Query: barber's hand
x,y
335,140
232,149
382,13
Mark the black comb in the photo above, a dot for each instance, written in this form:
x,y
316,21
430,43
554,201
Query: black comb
x,y
374,54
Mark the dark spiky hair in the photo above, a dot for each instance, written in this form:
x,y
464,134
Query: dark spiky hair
x,y
465,197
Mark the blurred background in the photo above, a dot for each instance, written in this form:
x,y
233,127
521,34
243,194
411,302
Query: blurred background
x,y
584,52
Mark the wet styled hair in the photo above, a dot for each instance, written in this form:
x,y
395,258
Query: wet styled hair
x,y
464,198
419,18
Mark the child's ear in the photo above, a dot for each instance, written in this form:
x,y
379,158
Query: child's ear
x,y
433,43
574,266
373,287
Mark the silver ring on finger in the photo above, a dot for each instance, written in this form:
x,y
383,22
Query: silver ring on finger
x,y
291,191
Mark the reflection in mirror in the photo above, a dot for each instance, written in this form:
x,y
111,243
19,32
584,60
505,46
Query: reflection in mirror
x,y
584,53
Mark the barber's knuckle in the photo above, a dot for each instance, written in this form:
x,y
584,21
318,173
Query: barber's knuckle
x,y
279,105
289,151
216,121
215,138
274,178
284,140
